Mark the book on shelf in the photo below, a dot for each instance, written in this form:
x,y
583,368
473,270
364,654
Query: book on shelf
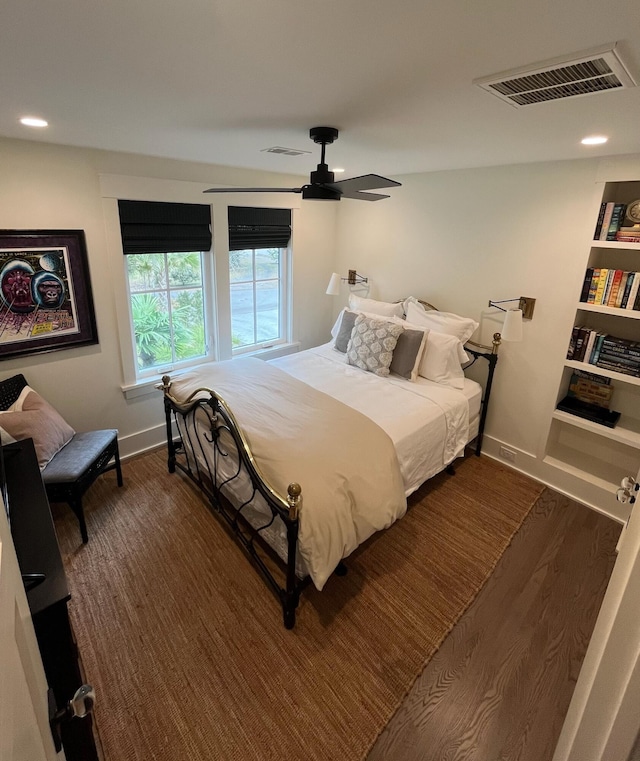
x,y
602,282
593,287
626,343
625,290
597,348
629,234
588,346
624,360
586,285
596,234
589,411
633,293
618,367
606,221
614,287
572,351
617,218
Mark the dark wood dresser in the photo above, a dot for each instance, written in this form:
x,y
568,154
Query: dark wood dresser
x,y
38,554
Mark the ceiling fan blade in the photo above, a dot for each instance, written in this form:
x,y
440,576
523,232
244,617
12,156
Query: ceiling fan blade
x,y
253,190
363,196
366,182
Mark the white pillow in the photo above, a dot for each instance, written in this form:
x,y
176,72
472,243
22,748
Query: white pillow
x,y
442,358
382,308
442,322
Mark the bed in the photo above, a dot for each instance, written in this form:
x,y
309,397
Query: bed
x,y
358,442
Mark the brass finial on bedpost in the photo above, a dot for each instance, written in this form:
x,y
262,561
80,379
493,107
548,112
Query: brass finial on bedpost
x,y
497,340
294,499
166,383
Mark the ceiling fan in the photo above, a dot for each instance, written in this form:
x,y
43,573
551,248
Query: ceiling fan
x,y
321,185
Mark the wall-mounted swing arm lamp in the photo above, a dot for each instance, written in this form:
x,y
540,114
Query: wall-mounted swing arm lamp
x,y
333,289
512,328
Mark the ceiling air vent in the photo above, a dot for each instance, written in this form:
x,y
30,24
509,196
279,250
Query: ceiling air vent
x,y
284,151
581,74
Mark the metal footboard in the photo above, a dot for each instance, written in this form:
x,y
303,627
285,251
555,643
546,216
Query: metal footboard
x,y
205,442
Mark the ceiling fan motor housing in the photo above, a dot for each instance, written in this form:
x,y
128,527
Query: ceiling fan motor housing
x,y
322,174
320,193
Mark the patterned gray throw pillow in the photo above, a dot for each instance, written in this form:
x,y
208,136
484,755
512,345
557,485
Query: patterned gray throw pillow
x,y
372,343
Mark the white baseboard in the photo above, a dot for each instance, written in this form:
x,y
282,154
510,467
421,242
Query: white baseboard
x,y
575,488
143,441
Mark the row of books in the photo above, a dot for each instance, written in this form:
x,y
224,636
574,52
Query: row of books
x,y
612,288
610,219
606,351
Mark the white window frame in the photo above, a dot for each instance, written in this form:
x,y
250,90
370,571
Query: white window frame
x,y
114,187
283,300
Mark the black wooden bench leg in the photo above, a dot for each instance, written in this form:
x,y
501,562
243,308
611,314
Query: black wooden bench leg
x,y
76,506
118,468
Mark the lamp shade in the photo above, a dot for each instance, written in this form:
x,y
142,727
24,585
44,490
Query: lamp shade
x,y
333,289
512,328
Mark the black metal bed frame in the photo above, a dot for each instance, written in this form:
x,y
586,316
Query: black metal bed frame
x,y
184,441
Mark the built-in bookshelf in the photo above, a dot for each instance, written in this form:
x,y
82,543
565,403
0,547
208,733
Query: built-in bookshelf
x,y
595,428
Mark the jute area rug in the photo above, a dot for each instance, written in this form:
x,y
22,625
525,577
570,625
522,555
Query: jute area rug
x,y
185,645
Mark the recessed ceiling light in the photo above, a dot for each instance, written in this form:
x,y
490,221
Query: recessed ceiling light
x,y
594,140
337,169
33,121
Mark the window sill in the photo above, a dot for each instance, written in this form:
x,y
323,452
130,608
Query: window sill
x,y
147,387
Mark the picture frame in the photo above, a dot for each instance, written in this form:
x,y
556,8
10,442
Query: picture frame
x,y
46,301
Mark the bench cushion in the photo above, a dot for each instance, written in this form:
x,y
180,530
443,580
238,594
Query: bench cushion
x,y
73,460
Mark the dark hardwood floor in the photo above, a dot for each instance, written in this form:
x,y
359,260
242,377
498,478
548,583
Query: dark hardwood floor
x,y
499,687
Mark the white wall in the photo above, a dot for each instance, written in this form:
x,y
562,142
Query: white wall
x,y
55,187
460,238
456,238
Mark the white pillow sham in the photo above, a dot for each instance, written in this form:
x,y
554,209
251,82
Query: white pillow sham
x,y
442,322
442,357
382,308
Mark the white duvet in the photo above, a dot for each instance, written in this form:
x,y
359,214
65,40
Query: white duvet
x,y
427,422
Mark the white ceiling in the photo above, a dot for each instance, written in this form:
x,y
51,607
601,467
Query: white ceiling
x,y
216,81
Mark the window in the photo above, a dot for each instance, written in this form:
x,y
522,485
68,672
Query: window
x,y
166,247
258,249
174,312
256,277
167,302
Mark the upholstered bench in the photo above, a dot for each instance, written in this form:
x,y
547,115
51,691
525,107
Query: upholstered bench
x,y
77,465
72,470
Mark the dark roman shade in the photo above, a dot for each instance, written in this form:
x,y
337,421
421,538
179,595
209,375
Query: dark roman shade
x,y
150,227
258,228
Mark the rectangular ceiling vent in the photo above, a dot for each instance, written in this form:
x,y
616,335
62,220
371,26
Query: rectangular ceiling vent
x,y
284,151
581,74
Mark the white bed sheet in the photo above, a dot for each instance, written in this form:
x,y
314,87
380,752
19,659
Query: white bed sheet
x,y
429,424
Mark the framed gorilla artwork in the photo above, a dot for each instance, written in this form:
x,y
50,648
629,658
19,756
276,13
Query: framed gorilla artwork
x,y
45,292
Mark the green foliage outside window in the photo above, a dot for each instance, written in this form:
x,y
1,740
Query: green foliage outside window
x,y
167,307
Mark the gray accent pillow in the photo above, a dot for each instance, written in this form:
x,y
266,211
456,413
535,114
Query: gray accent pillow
x,y
372,343
344,334
408,353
